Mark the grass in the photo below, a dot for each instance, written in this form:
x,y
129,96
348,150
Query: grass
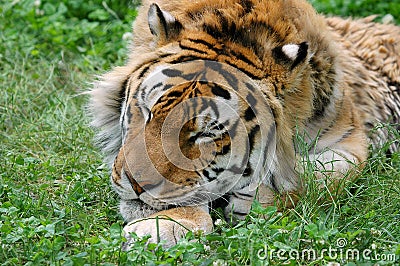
x,y
358,8
56,204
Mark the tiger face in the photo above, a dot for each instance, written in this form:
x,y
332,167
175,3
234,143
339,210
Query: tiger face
x,y
200,136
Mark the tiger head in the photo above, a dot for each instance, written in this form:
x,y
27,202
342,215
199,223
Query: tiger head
x,y
199,129
210,98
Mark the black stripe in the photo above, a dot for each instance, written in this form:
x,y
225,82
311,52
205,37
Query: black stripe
x,y
252,136
144,70
220,91
320,103
151,186
129,113
122,92
394,84
157,85
271,31
184,58
323,95
232,131
243,58
221,202
213,106
203,105
270,138
167,87
206,174
248,171
235,169
225,149
345,135
118,175
144,95
238,213
135,186
136,92
122,96
230,78
276,88
218,170
168,102
250,87
246,71
249,114
301,54
331,125
247,6
218,126
251,100
280,57
228,30
348,132
172,73
175,94
186,47
273,183
203,42
194,15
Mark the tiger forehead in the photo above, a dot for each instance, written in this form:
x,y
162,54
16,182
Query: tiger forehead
x,y
192,89
244,20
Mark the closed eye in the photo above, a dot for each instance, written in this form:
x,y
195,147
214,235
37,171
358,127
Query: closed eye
x,y
200,135
207,135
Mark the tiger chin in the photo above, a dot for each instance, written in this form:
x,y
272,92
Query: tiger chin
x,y
205,112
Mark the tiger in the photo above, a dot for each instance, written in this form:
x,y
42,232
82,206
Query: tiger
x,y
205,112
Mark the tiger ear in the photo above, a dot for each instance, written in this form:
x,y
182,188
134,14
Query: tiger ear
x,y
162,24
290,54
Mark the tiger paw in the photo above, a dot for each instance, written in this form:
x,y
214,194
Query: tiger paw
x,y
163,230
169,226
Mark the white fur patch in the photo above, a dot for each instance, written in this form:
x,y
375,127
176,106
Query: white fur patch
x,y
291,50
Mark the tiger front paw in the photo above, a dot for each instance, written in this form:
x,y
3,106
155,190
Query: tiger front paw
x,y
169,226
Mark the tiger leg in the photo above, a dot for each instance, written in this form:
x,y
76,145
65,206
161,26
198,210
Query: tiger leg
x,y
337,165
334,169
169,225
341,149
266,196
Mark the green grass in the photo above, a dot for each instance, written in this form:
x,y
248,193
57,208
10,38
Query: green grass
x,y
56,204
358,8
